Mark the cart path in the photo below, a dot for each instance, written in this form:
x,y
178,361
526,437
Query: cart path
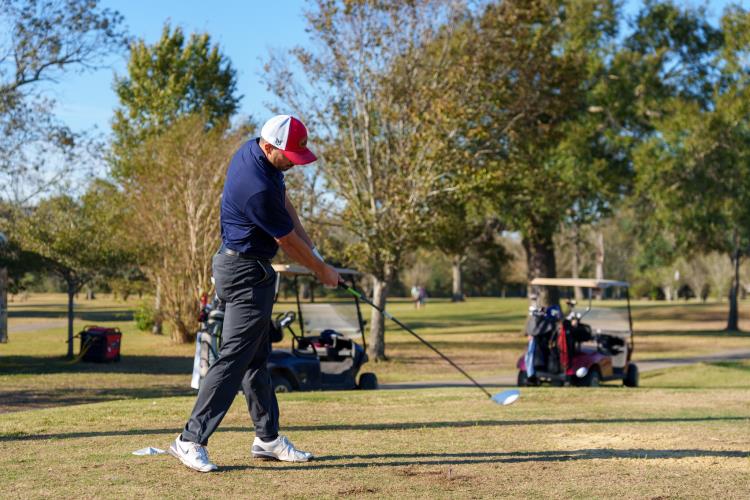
x,y
45,324
643,366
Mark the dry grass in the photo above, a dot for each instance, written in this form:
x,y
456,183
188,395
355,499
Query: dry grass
x,y
554,443
685,433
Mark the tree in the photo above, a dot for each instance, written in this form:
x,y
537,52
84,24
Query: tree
x,y
694,176
77,239
166,82
370,100
542,148
3,292
453,230
43,40
172,78
174,191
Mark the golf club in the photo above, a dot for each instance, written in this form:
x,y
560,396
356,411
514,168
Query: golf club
x,y
504,397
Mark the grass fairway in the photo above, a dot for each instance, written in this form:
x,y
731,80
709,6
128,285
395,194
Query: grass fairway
x,y
68,430
668,439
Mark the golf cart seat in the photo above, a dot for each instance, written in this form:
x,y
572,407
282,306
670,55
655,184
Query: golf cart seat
x,y
581,332
332,346
609,344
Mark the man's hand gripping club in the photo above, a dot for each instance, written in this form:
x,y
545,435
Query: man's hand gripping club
x,y
299,251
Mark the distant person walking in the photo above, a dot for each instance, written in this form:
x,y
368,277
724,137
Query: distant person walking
x,y
422,297
415,296
256,219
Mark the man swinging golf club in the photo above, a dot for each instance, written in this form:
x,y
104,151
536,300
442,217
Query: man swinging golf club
x,y
256,219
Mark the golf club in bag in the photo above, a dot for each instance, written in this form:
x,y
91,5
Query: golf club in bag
x,y
504,397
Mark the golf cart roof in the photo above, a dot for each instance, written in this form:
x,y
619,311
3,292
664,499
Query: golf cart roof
x,y
297,270
578,282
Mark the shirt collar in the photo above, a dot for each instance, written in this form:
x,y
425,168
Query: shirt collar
x,y
262,161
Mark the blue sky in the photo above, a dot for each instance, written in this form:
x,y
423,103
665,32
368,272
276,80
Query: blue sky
x,y
245,31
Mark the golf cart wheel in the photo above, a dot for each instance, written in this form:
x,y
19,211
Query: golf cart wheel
x,y
523,379
368,381
631,376
592,378
281,384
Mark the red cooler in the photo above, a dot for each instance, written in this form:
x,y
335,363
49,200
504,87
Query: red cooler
x,y
100,344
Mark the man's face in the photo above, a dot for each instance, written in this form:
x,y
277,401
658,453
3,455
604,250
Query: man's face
x,y
277,158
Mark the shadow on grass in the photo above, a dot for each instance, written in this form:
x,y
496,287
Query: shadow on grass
x,y
83,315
35,399
733,365
398,426
410,460
157,365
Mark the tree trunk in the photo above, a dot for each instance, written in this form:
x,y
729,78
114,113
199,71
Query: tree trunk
x,y
599,260
578,292
158,320
458,286
540,258
180,332
733,320
71,295
3,305
377,321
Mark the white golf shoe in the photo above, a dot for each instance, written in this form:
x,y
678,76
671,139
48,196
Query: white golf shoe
x,y
193,455
279,449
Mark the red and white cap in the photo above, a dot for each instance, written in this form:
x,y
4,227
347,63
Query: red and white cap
x,y
289,135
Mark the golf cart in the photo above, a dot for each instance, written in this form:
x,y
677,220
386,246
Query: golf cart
x,y
322,356
584,347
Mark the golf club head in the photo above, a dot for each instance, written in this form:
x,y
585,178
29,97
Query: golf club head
x,y
582,372
506,398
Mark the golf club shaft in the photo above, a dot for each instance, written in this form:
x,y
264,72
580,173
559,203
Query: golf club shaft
x,y
364,299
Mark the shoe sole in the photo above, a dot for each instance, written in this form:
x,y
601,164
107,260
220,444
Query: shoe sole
x,y
270,457
172,452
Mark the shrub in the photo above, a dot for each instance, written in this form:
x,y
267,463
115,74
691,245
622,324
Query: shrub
x,y
144,316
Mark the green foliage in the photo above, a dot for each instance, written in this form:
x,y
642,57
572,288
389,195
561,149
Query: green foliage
x,y
144,316
78,239
172,78
694,175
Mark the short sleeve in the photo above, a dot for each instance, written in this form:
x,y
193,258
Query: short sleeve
x,y
267,210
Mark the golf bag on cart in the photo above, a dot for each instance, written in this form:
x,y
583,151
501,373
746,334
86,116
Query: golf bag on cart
x,y
549,346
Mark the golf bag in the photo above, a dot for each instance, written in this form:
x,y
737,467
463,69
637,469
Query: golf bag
x,y
549,350
208,338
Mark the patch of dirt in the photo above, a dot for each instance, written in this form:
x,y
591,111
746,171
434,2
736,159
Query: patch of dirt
x,y
357,490
447,476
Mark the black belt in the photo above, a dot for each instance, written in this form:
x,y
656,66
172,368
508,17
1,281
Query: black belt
x,y
234,253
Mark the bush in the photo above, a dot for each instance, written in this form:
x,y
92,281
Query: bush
x,y
144,316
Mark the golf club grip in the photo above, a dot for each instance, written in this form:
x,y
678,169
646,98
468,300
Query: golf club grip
x,y
435,349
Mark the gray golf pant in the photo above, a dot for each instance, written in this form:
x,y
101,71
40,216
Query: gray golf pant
x,y
247,288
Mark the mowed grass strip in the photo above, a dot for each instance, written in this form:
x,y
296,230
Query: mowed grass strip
x,y
655,441
483,335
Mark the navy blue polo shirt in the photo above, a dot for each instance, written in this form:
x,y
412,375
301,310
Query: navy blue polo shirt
x,y
253,211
